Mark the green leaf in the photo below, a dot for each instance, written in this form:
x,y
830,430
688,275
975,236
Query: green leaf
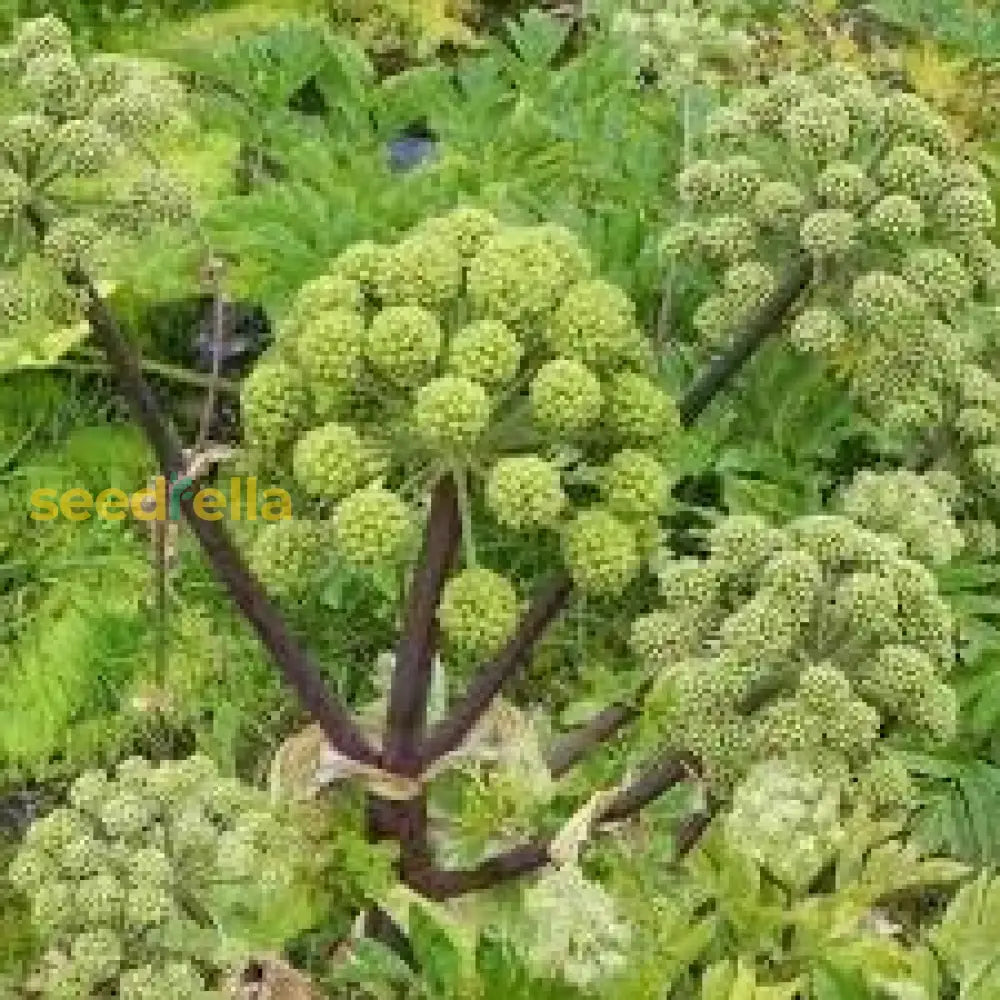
x,y
830,982
438,956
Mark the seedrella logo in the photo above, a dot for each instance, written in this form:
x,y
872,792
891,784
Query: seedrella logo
x,y
164,500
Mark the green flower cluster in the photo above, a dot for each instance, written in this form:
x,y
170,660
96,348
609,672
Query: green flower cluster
x,y
480,348
810,638
124,882
66,121
873,184
682,42
478,612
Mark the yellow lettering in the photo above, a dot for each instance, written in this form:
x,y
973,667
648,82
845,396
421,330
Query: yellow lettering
x,y
112,504
279,507
75,505
46,507
207,504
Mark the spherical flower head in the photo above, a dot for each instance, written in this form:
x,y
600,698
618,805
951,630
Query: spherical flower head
x,y
910,119
782,728
699,184
565,397
885,301
328,346
834,541
360,263
595,324
287,553
937,713
715,318
373,527
82,857
83,147
147,905
126,815
844,185
98,954
55,85
139,109
574,260
274,402
639,412
419,271
54,910
332,461
487,352
601,553
719,184
318,297
853,731
982,260
403,344
525,492
727,239
450,414
819,128
51,834
778,205
912,171
796,577
823,689
14,195
72,243
966,212
764,629
680,239
885,786
635,485
466,228
982,538
986,462
977,387
749,284
150,864
42,36
661,638
897,219
519,276
155,198
939,277
865,607
742,543
829,233
785,91
819,330
478,612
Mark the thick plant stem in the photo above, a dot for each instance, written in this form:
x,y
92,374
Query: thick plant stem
x,y
440,884
577,743
301,673
747,340
406,718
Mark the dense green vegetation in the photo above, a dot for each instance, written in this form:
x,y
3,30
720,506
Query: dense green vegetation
x,y
596,597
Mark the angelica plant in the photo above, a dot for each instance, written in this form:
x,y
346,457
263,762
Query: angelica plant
x,y
156,880
481,352
876,188
78,178
813,639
